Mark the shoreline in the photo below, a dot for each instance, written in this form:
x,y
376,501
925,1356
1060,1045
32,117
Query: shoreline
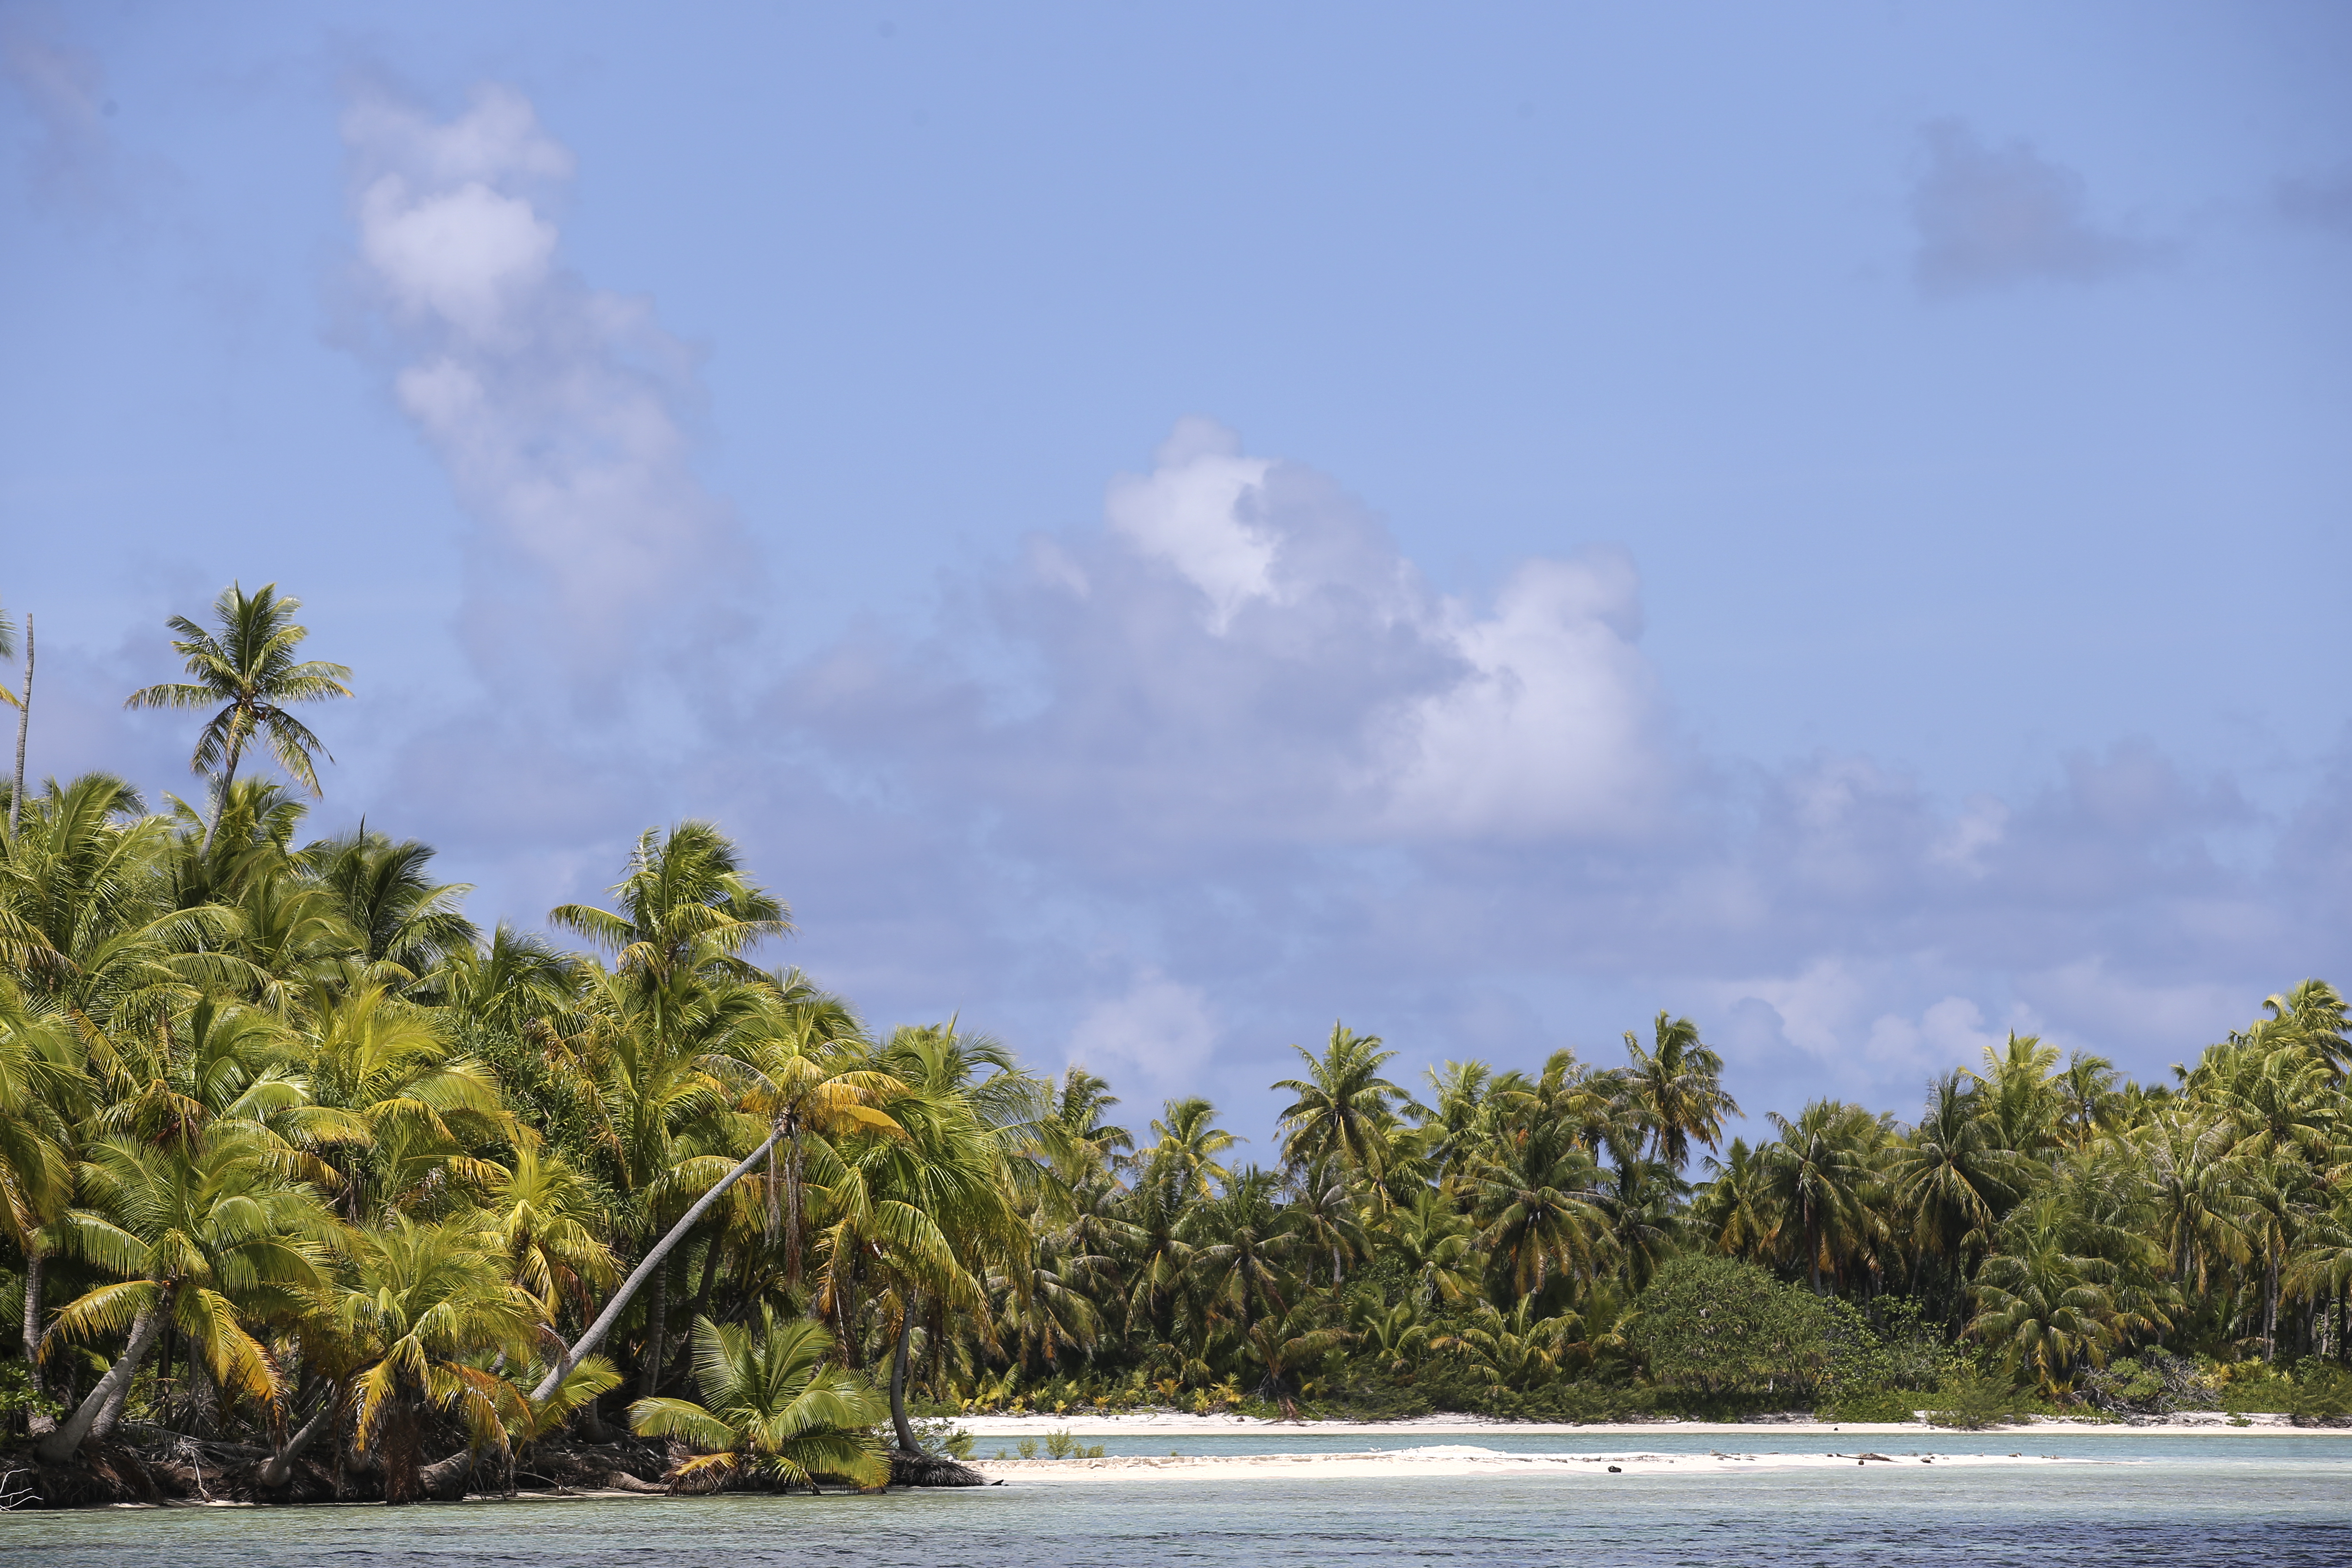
x,y
1160,1424
1454,1461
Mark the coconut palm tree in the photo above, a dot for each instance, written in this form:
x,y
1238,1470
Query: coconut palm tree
x,y
1343,1111
2042,1303
23,703
806,1086
43,1095
771,1409
1183,1162
401,917
1949,1180
1677,1084
1819,1172
248,667
1542,1212
202,1234
429,1304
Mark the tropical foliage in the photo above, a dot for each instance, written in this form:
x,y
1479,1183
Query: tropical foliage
x,y
292,1152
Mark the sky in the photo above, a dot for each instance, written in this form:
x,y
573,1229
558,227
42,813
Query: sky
x,y
1160,527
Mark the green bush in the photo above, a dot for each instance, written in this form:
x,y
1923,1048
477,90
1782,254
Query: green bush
x,y
1716,1326
1973,1399
1873,1405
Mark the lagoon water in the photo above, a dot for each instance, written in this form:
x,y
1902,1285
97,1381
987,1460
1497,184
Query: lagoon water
x,y
2178,1501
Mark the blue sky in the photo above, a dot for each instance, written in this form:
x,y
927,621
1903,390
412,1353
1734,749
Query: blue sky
x,y
1158,527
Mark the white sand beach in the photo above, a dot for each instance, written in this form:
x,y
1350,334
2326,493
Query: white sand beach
x,y
1451,1460
1169,1423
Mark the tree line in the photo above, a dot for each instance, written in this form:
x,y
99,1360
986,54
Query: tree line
x,y
295,1156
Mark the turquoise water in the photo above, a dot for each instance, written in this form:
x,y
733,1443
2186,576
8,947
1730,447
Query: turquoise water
x,y
2175,1502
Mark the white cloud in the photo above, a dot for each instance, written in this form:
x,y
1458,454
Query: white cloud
x,y
1553,728
1192,512
1159,1027
556,407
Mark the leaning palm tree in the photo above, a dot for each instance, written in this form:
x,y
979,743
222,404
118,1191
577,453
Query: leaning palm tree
x,y
248,668
771,1409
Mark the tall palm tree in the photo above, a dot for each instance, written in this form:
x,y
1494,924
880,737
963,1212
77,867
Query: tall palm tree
x,y
248,668
1183,1162
771,1409
399,915
1343,1110
23,703
1820,1170
1542,1211
1677,1082
805,1087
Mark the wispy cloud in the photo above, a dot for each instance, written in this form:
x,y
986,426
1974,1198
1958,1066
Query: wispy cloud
x,y
558,407
1988,217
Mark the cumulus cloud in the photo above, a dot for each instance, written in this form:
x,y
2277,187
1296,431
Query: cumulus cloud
x,y
1172,789
1987,217
1240,652
559,408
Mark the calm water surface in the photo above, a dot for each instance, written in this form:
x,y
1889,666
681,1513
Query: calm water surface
x,y
2176,1501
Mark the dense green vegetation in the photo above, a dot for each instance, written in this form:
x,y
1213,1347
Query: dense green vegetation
x,y
292,1152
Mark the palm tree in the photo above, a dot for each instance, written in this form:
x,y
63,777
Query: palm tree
x,y
1677,1083
542,1218
200,1235
400,916
1284,1344
1542,1211
1734,1211
1819,1170
2042,1303
1949,1180
804,1086
771,1408
23,703
42,1096
250,669
1343,1110
427,1303
1183,1162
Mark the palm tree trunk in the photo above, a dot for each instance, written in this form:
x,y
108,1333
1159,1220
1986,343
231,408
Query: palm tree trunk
x,y
278,1468
23,723
658,1322
596,1332
36,1262
2270,1309
220,802
793,1215
96,1416
906,1444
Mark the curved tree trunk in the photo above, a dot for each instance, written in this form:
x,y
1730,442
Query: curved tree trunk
x,y
96,1416
596,1332
278,1468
